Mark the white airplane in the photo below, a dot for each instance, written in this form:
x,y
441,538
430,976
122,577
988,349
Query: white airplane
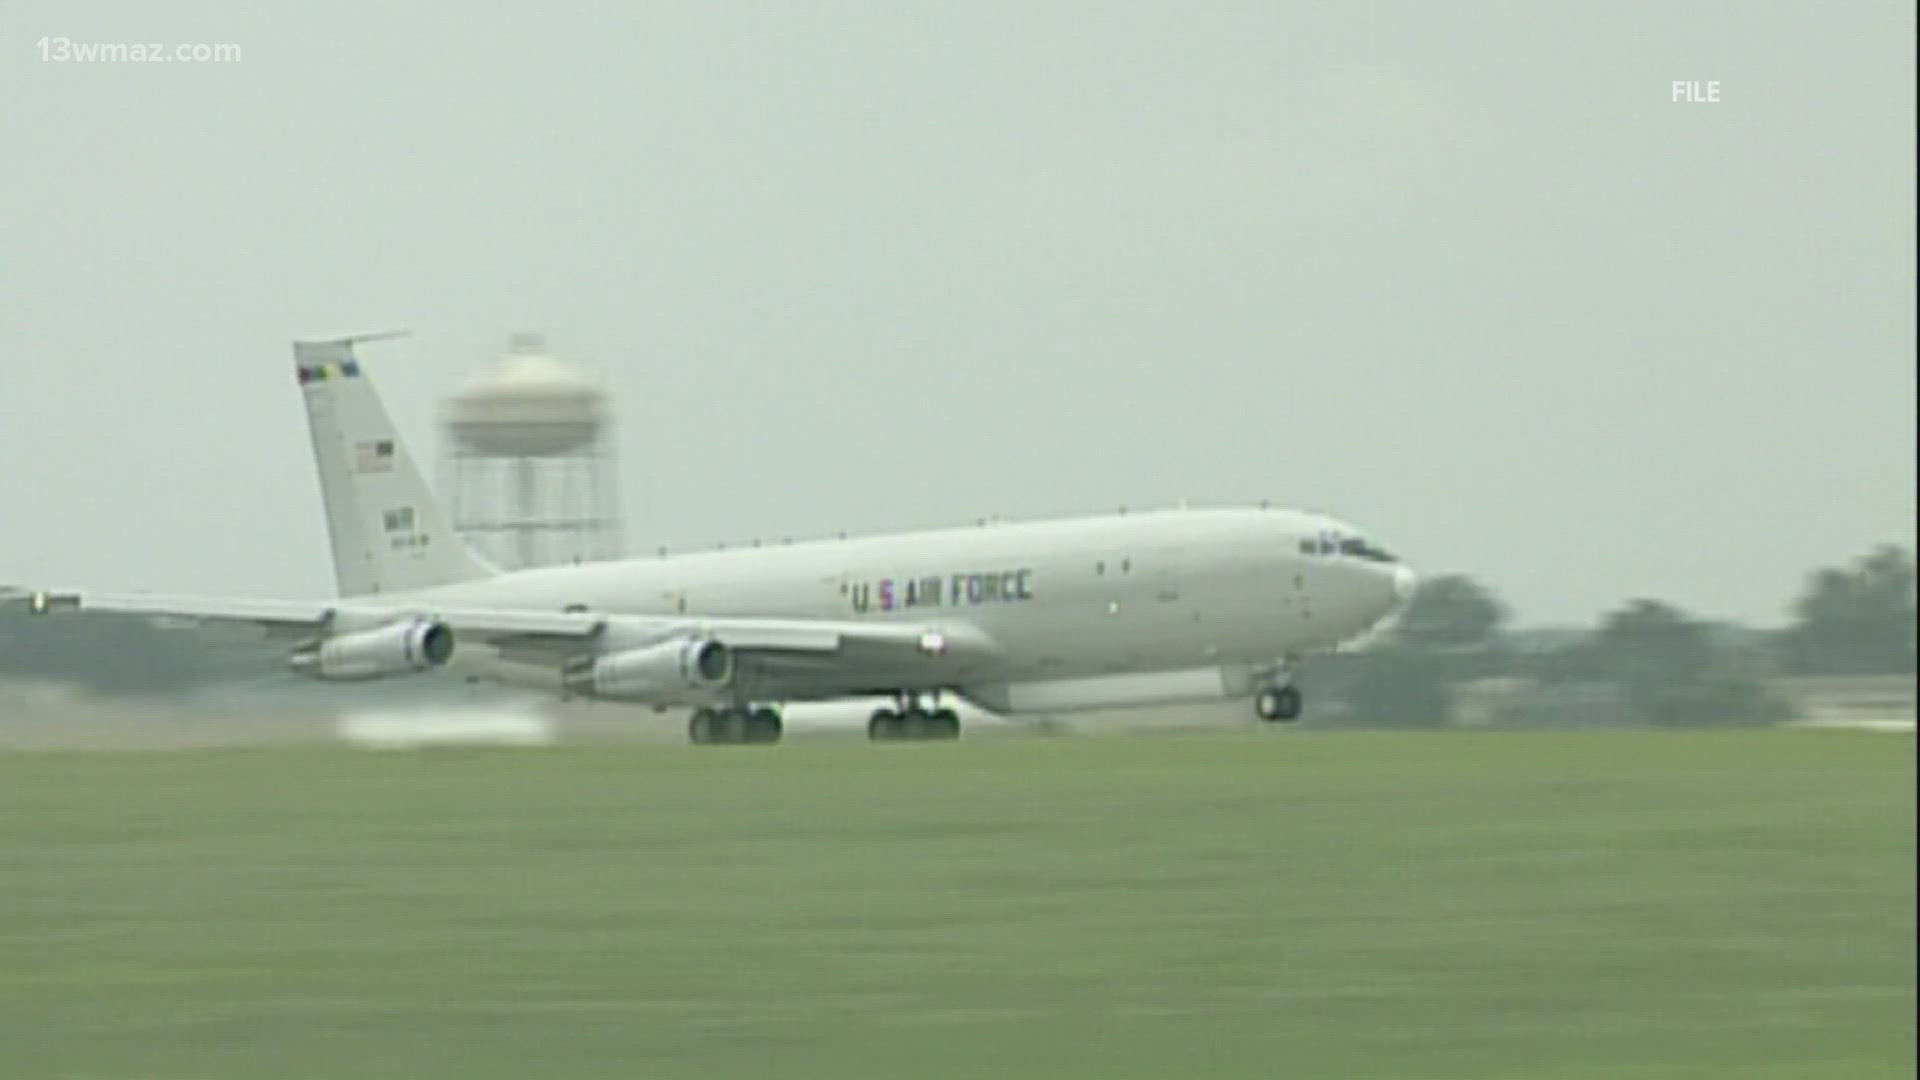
x,y
1157,607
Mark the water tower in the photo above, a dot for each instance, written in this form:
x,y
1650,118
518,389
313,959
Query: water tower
x,y
531,462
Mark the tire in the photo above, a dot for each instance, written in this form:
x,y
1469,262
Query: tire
x,y
700,727
1278,704
883,725
944,724
763,726
1292,703
730,727
1266,705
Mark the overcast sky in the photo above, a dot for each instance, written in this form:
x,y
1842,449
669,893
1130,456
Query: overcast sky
x,y
1462,274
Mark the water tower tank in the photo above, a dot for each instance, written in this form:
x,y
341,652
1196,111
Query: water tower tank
x,y
528,405
531,461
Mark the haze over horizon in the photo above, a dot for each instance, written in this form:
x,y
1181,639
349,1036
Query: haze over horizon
x,y
1474,282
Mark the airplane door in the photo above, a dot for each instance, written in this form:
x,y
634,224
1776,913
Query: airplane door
x,y
1163,611
1165,584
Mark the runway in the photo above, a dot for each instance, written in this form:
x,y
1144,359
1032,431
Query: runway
x,y
54,718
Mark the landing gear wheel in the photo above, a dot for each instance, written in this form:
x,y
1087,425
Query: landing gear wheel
x,y
763,726
1291,702
886,725
1279,703
731,727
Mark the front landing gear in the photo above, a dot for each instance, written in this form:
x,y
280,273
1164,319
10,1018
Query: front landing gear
x,y
890,725
733,726
1278,704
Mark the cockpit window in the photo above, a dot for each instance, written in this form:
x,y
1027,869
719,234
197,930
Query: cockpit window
x,y
1359,548
1336,544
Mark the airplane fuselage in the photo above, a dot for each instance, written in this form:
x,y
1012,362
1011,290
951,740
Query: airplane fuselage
x,y
1062,600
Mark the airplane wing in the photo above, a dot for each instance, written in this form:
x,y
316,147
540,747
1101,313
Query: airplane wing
x,y
781,659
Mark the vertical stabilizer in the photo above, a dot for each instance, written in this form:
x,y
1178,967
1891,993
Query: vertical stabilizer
x,y
387,532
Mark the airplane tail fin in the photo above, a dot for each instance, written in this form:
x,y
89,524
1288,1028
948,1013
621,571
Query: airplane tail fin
x,y
387,531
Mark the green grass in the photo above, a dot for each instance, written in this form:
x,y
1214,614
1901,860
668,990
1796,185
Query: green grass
x,y
1308,905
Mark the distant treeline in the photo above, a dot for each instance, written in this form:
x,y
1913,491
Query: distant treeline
x,y
121,654
147,657
1646,663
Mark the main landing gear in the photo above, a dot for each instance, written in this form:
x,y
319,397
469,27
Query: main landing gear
x,y
912,720
1278,704
733,726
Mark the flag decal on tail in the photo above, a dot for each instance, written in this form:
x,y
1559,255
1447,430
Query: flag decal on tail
x,y
322,372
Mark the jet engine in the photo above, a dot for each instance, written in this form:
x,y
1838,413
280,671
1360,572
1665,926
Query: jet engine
x,y
395,649
666,670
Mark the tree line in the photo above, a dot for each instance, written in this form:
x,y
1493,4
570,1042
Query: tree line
x,y
1646,662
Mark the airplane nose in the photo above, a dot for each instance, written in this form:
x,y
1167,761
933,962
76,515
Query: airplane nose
x,y
1405,581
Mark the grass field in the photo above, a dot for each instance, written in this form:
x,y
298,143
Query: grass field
x,y
1301,905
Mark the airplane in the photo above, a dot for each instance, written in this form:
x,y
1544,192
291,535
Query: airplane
x,y
1049,616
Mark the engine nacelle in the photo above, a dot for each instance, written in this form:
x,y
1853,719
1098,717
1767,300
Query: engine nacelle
x,y
664,671
396,649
